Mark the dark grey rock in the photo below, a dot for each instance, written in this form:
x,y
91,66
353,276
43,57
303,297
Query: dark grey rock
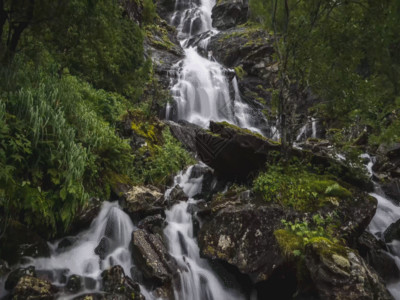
x,y
74,284
340,273
229,13
152,258
17,274
392,232
375,254
114,281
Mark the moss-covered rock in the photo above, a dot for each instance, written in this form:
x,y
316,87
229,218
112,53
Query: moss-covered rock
x,y
340,273
115,282
30,288
142,201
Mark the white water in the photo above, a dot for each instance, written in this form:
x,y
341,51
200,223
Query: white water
x,y
197,280
309,127
387,212
202,91
80,258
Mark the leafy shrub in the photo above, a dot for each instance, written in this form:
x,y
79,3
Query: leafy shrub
x,y
168,159
296,235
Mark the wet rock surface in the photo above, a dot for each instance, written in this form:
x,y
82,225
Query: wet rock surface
x,y
375,254
224,147
176,194
185,132
243,236
342,273
387,170
16,275
142,201
229,13
29,287
74,284
152,258
114,282
392,232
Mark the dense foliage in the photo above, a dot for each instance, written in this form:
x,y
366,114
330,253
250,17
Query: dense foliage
x,y
76,69
345,52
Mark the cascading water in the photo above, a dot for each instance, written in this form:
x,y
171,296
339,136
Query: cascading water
x,y
202,90
386,213
113,227
197,281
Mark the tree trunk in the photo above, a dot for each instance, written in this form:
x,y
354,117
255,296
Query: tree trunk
x,y
17,30
3,19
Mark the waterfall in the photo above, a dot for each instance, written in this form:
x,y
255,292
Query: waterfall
x,y
79,258
202,89
386,213
196,279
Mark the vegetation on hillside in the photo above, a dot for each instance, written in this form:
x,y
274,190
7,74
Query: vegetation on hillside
x,y
71,71
346,53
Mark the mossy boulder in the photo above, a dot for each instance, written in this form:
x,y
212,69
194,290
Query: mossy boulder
x,y
241,233
142,201
339,272
115,282
31,288
233,153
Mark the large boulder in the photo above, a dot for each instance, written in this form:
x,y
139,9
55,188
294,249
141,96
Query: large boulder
x,y
16,275
152,258
225,146
142,201
340,273
243,237
114,282
31,288
229,13
239,228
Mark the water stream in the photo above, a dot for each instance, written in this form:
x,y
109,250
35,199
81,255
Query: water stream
x,y
202,91
197,280
387,212
76,255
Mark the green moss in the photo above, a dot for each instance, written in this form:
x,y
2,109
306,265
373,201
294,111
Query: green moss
x,y
288,241
327,248
157,35
245,131
295,187
240,73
